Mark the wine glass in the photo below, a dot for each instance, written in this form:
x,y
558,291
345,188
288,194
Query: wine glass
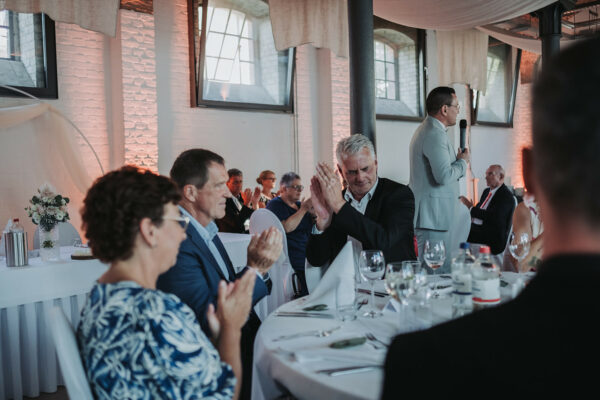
x,y
434,254
400,280
519,245
372,267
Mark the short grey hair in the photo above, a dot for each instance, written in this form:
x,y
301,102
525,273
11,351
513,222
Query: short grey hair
x,y
288,178
498,169
352,145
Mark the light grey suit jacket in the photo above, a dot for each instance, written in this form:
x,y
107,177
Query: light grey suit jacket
x,y
434,175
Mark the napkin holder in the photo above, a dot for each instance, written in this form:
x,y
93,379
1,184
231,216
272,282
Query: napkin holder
x,y
15,246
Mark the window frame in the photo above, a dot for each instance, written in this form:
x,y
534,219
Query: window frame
x,y
197,85
49,45
380,23
475,101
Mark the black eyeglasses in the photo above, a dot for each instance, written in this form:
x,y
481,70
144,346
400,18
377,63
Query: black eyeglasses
x,y
299,188
182,220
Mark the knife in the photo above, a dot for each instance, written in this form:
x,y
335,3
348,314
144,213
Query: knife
x,y
348,370
377,294
303,314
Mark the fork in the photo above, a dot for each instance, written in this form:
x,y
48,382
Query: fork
x,y
372,338
316,333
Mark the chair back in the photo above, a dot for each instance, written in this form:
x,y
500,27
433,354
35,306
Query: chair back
x,y
281,272
313,275
68,355
66,235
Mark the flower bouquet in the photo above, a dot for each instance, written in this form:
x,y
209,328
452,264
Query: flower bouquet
x,y
46,210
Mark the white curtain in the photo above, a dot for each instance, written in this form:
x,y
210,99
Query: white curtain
x,y
322,23
444,15
36,146
462,57
94,15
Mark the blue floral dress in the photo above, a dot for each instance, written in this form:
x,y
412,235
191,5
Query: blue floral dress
x,y
139,343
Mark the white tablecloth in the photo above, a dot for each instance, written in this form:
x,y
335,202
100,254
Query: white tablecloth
x,y
28,363
276,370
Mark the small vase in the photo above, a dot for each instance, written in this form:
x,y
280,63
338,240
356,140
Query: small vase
x,y
49,246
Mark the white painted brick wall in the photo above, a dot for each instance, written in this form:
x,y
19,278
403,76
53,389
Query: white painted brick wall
x,y
140,110
340,99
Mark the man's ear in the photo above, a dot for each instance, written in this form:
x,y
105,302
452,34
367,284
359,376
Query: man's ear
x,y
189,192
528,170
340,170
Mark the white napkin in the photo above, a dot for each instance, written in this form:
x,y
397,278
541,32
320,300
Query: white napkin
x,y
340,274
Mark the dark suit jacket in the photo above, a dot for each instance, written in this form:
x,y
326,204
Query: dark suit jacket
x,y
387,225
233,221
541,343
497,220
196,275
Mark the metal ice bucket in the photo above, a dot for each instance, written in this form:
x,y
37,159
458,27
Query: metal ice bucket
x,y
15,245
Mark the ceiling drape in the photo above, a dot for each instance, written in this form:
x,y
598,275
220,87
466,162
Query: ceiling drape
x,y
94,15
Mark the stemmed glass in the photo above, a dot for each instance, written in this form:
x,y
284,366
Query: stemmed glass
x,y
372,267
519,245
434,254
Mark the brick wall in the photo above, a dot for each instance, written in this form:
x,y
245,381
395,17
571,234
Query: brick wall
x,y
140,111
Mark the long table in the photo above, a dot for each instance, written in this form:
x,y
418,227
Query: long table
x,y
28,363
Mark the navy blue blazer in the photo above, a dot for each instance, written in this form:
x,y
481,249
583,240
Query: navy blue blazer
x,y
196,275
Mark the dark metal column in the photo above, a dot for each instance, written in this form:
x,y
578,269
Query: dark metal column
x,y
550,30
362,68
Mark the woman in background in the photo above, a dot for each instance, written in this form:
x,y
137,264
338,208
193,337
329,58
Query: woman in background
x,y
267,180
136,341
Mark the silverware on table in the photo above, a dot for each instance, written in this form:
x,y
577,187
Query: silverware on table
x,y
372,338
376,293
303,314
348,370
316,332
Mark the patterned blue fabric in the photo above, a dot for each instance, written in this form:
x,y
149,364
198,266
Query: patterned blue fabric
x,y
139,343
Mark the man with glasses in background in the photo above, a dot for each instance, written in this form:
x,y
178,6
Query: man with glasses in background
x,y
435,170
295,216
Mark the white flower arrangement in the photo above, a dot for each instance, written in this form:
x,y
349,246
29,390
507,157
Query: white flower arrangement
x,y
47,208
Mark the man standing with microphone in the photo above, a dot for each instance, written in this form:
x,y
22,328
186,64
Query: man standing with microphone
x,y
435,170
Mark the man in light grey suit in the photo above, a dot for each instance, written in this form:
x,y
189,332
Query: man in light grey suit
x,y
435,170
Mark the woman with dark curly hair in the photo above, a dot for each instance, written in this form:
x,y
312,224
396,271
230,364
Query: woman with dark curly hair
x,y
267,180
136,341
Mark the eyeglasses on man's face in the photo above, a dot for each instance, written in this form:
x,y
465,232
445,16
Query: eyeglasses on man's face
x,y
298,188
457,105
182,220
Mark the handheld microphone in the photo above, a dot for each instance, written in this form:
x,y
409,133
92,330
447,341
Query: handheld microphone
x,y
463,134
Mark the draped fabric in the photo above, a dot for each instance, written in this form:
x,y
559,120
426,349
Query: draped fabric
x,y
322,23
37,146
95,15
462,58
444,15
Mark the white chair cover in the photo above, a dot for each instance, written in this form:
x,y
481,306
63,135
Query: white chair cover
x,y
68,355
66,235
281,272
460,229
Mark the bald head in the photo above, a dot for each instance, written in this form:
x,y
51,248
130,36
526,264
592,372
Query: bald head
x,y
494,176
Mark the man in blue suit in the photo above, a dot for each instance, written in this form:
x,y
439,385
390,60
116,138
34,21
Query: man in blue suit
x,y
202,261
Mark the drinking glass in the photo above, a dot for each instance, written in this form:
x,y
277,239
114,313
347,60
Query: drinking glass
x,y
372,267
345,304
519,245
434,254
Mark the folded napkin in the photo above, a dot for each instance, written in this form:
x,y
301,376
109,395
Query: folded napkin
x,y
339,279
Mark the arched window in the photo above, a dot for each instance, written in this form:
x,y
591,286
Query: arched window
x,y
399,61
237,65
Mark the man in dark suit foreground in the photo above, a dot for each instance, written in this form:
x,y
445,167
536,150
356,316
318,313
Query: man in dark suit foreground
x,y
240,206
544,341
377,212
491,218
202,261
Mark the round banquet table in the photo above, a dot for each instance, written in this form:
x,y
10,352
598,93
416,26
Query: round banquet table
x,y
290,365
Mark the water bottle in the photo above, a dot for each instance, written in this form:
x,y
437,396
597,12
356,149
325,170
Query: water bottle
x,y
462,264
485,281
16,226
